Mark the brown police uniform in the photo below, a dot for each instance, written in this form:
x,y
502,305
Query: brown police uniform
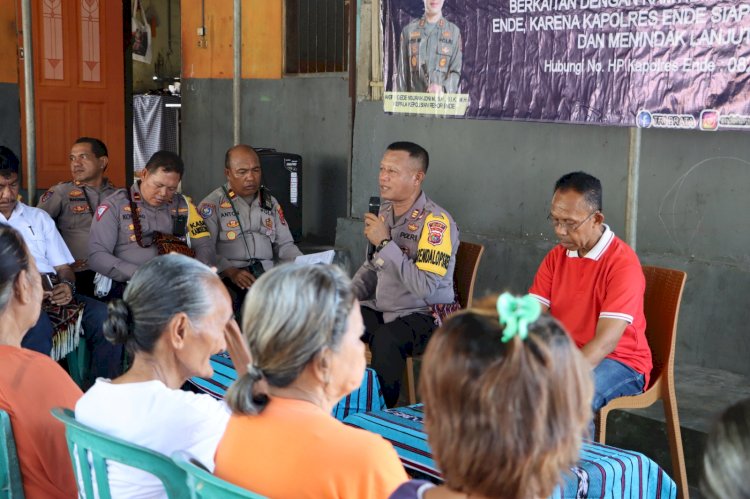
x,y
401,282
72,205
113,248
255,231
430,53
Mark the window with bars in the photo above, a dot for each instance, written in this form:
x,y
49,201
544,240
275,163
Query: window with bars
x,y
317,34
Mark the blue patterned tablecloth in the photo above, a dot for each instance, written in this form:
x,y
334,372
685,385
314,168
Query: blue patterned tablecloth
x,y
364,399
602,471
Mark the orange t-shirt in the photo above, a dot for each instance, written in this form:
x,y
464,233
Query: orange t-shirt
x,y
294,449
30,385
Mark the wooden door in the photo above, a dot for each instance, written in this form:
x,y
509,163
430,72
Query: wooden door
x,y
79,77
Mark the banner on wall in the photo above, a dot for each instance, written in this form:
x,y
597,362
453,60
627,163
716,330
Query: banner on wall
x,y
682,64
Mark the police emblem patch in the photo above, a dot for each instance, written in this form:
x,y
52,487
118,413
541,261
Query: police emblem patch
x,y
46,196
414,61
232,224
79,209
126,209
131,227
436,230
101,210
231,235
226,204
443,62
132,237
75,193
445,50
206,210
268,223
413,227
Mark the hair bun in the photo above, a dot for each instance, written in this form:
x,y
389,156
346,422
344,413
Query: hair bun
x,y
119,324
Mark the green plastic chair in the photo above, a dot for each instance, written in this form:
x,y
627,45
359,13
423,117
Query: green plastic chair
x,y
204,485
10,474
87,445
78,361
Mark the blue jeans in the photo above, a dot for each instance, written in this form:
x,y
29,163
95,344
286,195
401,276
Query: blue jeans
x,y
614,379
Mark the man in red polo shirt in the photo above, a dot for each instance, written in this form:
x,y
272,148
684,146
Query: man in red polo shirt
x,y
593,283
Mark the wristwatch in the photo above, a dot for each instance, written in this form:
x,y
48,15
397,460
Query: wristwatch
x,y
382,244
69,283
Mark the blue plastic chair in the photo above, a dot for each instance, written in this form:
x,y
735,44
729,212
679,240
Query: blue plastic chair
x,y
11,486
204,485
87,445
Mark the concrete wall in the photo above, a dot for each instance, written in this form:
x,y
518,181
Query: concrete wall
x,y
307,116
496,179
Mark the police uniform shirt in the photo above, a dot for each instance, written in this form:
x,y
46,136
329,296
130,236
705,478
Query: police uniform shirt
x,y
39,233
71,205
415,269
113,249
266,233
430,53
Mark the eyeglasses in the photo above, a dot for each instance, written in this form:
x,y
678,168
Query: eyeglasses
x,y
569,226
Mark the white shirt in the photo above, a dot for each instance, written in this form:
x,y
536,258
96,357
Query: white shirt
x,y
154,416
41,236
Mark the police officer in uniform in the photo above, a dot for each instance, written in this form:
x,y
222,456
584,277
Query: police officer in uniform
x,y
246,223
430,54
411,269
122,240
72,204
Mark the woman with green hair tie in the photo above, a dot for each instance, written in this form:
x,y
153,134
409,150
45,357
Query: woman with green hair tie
x,y
506,399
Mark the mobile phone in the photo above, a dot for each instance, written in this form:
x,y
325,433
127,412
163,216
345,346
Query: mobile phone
x,y
47,282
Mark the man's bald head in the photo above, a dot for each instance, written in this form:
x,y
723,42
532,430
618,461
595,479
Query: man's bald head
x,y
241,149
242,169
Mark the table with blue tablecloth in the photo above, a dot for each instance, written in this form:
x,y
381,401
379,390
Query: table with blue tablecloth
x,y
601,471
365,398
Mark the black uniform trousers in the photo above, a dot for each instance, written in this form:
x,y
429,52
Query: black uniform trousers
x,y
390,344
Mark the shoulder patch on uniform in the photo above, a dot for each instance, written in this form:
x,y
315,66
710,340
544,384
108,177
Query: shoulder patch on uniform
x,y
46,196
435,248
101,210
206,210
197,228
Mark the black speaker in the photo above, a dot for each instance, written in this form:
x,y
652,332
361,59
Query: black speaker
x,y
282,175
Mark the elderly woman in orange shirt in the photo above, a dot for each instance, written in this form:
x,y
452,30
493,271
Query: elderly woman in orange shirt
x,y
303,327
31,383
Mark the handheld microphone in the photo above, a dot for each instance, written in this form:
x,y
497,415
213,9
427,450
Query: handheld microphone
x,y
374,209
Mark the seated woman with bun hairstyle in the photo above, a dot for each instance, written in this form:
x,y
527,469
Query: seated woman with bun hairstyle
x,y
174,315
507,399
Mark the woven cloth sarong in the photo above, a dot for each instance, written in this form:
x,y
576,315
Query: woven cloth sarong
x,y
66,326
364,399
601,471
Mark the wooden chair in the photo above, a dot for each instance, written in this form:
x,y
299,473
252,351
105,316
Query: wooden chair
x,y
87,445
661,304
464,277
11,486
204,485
